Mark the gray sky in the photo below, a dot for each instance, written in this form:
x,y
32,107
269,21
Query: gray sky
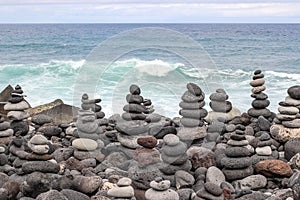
x,y
145,11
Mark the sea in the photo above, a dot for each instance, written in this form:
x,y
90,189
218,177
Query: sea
x,y
63,61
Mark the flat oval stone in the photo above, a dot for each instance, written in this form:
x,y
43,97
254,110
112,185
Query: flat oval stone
x,y
260,96
237,152
38,139
258,76
194,89
293,102
236,163
259,112
171,140
190,122
218,97
256,72
124,182
294,92
257,82
263,151
288,110
234,174
260,104
258,89
85,144
195,114
191,106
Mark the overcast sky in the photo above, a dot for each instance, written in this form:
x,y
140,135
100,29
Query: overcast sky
x,y
145,11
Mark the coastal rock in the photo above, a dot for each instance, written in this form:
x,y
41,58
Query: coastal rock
x,y
283,134
212,116
291,147
85,144
273,168
253,182
40,166
294,92
215,176
87,185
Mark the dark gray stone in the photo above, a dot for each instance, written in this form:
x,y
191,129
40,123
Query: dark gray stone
x,y
264,124
291,147
134,89
260,96
259,112
51,195
191,98
191,106
225,106
218,97
137,99
294,92
195,114
41,119
40,166
234,174
74,195
236,163
260,104
189,122
194,89
237,152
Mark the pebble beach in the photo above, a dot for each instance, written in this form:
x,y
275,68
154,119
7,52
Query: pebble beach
x,y
59,151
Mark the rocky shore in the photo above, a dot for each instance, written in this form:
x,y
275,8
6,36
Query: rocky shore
x,y
57,151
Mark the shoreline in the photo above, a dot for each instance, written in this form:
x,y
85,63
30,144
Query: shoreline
x,y
220,154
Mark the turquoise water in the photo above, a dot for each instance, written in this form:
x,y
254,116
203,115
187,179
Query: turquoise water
x,y
47,60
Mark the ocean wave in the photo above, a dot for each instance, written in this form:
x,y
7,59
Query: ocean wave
x,y
284,75
154,67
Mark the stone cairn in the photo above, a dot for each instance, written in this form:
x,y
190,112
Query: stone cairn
x,y
38,159
16,107
6,133
288,119
133,123
160,189
221,107
264,148
145,162
87,143
237,162
174,156
123,190
192,113
289,115
260,102
92,104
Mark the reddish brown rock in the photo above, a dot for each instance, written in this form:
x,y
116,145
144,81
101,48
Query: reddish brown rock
x,y
205,160
6,140
72,163
147,141
227,194
13,189
273,168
